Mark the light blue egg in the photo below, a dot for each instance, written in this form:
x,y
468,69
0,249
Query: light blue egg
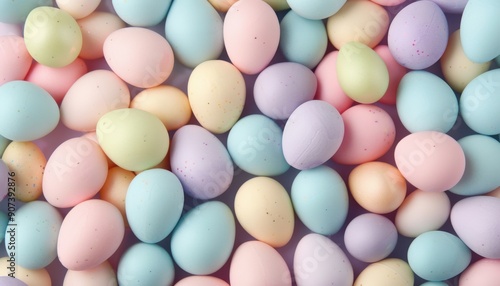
x,y
141,13
3,144
36,232
16,11
316,9
302,40
254,144
194,30
153,204
320,199
438,255
27,111
425,102
482,162
145,264
4,220
204,238
480,103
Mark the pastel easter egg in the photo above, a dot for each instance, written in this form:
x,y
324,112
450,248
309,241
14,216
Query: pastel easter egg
x,y
11,281
222,5
27,112
475,220
369,133
141,57
320,199
361,73
194,29
251,33
216,92
396,73
17,11
4,181
141,13
257,263
103,274
482,272
312,134
78,9
314,258
255,145
316,9
302,40
27,276
90,97
75,172
90,233
264,209
145,264
204,238
27,162
146,136
52,36
201,162
425,102
419,43
16,61
455,7
115,188
431,161
201,280
280,88
438,255
387,272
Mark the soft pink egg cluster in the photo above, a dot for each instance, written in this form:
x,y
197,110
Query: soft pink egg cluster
x,y
250,142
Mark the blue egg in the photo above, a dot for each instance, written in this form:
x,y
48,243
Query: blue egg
x,y
425,102
15,12
254,144
320,199
145,264
141,13
302,40
438,255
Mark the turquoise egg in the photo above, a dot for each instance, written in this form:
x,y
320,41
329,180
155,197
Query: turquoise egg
x,y
153,204
27,111
438,255
254,144
16,11
320,199
141,13
302,40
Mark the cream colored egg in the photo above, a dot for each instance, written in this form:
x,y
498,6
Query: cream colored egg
x,y
115,188
78,8
39,277
387,272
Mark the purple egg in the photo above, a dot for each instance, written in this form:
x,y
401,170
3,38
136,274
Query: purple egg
x,y
11,281
4,177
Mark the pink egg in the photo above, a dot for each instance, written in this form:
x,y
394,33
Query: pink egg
x,y
56,81
430,160
396,73
75,172
369,134
484,272
90,233
251,35
14,58
141,57
201,280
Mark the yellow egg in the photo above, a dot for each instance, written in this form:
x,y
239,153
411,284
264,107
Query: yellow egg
x,y
28,162
38,277
361,72
387,272
264,209
115,188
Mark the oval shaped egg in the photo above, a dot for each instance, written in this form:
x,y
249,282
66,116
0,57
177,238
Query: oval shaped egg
x,y
28,162
254,144
396,73
115,188
257,263
320,199
27,112
90,233
141,13
280,88
438,255
421,212
216,92
154,204
222,5
42,34
264,210
431,161
201,162
145,264
316,9
369,133
39,277
194,29
482,272
361,72
201,280
425,102
252,50
314,258
312,134
203,240
302,40
78,9
16,61
103,274
39,223
141,57
16,12
475,220
419,43
90,97
387,272
146,136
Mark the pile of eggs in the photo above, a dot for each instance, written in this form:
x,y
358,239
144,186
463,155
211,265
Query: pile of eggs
x,y
250,142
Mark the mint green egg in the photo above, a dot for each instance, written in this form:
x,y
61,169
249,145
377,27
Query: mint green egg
x,y
16,11
142,13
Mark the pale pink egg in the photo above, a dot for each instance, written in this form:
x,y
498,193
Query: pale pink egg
x,y
396,73
14,58
484,272
201,280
